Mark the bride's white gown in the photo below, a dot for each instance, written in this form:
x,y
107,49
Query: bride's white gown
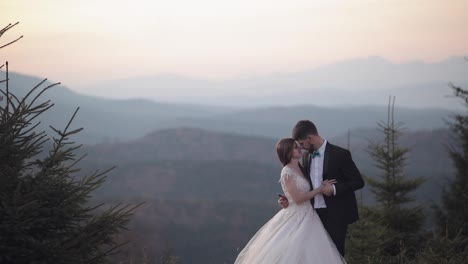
x,y
295,235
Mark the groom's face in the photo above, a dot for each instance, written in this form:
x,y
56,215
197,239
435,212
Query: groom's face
x,y
306,143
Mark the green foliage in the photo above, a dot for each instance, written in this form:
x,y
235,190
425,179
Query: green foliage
x,y
390,233
452,216
444,250
371,240
364,239
401,220
168,255
45,213
393,187
450,242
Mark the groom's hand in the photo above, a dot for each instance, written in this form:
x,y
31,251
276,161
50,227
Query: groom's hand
x,y
283,201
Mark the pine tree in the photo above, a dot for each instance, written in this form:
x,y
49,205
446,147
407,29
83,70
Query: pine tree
x,y
449,243
46,215
392,189
453,215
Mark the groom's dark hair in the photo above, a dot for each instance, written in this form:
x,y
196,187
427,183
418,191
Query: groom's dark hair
x,y
304,128
284,149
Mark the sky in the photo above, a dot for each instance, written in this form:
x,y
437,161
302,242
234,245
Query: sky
x,y
82,42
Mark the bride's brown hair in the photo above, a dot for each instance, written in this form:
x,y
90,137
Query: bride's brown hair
x,y
284,149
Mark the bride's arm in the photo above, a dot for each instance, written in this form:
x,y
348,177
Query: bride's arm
x,y
297,195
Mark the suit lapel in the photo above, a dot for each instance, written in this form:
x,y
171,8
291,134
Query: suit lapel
x,y
306,163
326,158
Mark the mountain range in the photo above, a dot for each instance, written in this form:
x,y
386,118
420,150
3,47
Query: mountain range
x,y
111,120
357,82
231,160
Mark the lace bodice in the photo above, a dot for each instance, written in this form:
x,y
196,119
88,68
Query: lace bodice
x,y
301,183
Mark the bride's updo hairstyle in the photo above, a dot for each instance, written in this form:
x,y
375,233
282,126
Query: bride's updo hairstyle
x,y
284,149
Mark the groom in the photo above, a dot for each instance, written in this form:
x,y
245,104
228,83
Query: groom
x,y
337,207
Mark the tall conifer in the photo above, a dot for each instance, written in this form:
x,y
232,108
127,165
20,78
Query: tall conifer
x,y
392,189
46,215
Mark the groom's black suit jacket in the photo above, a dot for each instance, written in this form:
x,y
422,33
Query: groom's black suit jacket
x,y
338,165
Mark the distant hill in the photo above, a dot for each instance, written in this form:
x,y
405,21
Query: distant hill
x,y
182,163
188,154
428,157
277,122
187,144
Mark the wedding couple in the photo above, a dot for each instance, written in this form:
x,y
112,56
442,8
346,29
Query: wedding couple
x,y
301,233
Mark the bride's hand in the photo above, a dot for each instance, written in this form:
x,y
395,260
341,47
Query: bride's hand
x,y
329,182
327,187
283,201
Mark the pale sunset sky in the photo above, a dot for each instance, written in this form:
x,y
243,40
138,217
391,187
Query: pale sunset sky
x,y
81,42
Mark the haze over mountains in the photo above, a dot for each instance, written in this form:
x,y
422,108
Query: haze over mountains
x,y
354,82
338,97
107,120
202,156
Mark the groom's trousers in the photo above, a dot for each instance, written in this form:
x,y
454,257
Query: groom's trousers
x,y
335,229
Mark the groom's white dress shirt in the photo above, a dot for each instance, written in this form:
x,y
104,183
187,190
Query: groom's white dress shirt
x,y
316,176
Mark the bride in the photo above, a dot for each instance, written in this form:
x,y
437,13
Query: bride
x,y
295,234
